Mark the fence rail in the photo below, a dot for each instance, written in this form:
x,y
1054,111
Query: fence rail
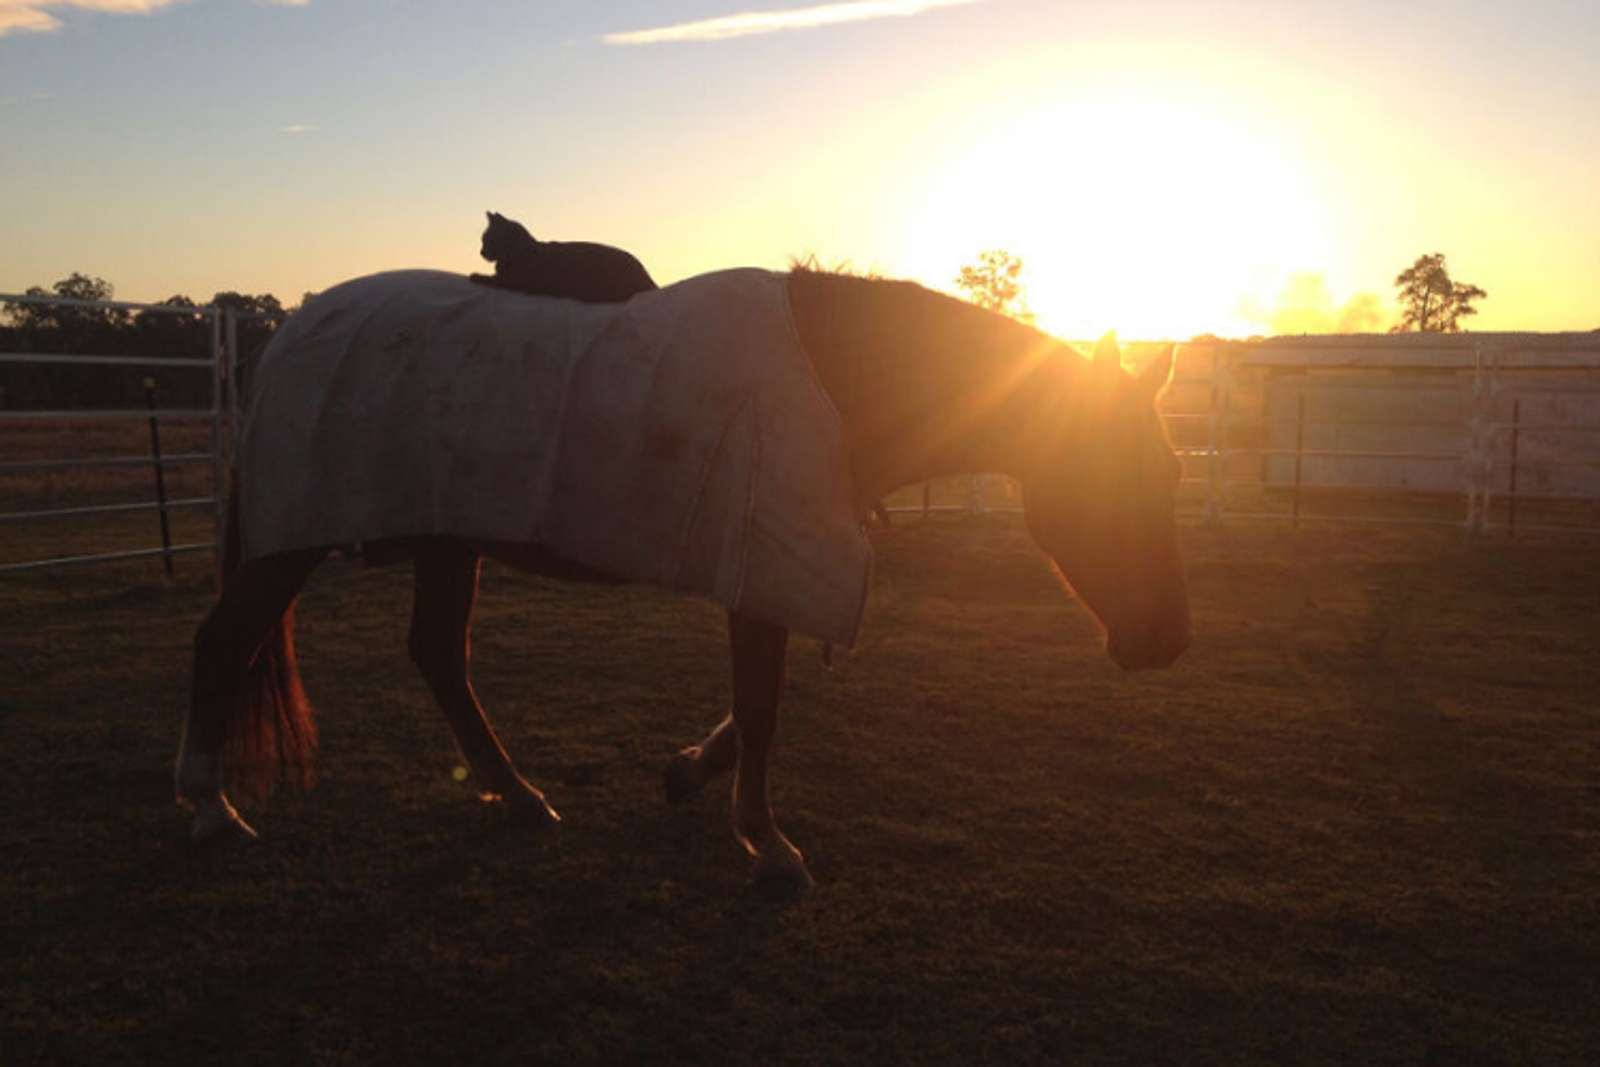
x,y
54,360
103,461
165,552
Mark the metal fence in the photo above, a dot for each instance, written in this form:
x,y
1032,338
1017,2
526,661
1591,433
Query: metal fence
x,y
218,362
1442,428
1395,419
1261,428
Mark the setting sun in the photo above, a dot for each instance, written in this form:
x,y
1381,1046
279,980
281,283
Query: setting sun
x,y
1131,212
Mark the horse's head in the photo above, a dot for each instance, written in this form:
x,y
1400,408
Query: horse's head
x,y
1100,496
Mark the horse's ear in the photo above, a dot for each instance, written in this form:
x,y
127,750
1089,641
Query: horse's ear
x,y
1106,366
1157,373
1107,356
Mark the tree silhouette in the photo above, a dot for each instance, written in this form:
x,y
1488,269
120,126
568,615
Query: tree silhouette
x,y
246,303
71,329
159,333
1429,301
64,329
67,323
993,283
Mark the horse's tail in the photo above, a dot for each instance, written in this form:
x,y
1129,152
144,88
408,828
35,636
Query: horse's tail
x,y
273,733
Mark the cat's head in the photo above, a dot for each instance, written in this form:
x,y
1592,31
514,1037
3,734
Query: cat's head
x,y
502,237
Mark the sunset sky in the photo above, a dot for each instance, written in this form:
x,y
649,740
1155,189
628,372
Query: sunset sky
x,y
1163,169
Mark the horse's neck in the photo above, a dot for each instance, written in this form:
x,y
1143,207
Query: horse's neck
x,y
927,386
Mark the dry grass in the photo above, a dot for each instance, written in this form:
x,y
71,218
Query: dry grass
x,y
1359,823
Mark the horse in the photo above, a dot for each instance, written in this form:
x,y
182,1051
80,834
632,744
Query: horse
x,y
922,386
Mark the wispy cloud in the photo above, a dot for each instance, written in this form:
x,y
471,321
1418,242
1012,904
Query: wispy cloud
x,y
297,127
33,16
748,23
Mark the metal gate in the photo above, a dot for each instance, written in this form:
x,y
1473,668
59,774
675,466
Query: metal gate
x,y
215,414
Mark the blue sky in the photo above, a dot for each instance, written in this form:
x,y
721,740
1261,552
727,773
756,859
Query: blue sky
x,y
1161,167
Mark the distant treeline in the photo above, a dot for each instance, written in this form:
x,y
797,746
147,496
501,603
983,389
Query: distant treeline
x,y
69,330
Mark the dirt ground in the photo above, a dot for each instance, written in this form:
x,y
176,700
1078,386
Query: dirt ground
x,y
1359,823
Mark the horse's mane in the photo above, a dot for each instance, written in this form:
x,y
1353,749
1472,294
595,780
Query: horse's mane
x,y
810,264
946,327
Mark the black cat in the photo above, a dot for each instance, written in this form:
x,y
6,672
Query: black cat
x,y
577,270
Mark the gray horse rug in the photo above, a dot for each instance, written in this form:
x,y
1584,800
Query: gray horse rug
x,y
680,439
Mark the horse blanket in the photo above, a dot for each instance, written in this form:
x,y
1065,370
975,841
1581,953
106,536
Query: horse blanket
x,y
680,439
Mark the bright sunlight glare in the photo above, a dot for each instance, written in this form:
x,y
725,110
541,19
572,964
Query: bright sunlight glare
x,y
1132,213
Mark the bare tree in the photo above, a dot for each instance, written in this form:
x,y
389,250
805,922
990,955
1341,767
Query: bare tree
x,y
1429,301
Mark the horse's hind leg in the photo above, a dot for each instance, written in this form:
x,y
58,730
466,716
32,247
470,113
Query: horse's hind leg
x,y
441,647
253,602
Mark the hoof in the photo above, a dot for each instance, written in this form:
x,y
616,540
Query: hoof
x,y
525,809
781,873
782,881
682,780
215,823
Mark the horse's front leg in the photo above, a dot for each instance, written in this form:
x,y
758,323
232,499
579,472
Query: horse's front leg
x,y
758,670
441,647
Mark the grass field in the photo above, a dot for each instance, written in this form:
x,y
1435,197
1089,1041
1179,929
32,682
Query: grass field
x,y
1359,823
